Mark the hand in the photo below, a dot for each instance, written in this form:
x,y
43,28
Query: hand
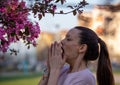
x,y
55,57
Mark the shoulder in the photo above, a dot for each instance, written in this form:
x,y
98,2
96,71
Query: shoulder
x,y
87,75
84,77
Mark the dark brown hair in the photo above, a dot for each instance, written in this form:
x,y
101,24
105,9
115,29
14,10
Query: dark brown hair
x,y
104,69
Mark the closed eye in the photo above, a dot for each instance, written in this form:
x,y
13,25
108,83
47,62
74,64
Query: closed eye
x,y
68,39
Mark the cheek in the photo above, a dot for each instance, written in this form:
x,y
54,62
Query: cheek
x,y
71,50
68,49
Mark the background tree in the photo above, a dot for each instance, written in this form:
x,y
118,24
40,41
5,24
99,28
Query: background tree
x,y
15,25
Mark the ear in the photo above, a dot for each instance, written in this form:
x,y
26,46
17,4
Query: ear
x,y
82,48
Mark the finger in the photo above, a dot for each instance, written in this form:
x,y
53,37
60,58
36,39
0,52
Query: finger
x,y
49,51
52,50
48,59
60,49
55,48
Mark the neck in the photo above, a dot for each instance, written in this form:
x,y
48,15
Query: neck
x,y
80,67
77,66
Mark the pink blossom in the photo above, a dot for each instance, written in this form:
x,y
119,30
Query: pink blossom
x,y
2,9
16,25
2,32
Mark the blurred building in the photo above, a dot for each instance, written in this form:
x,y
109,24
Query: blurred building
x,y
105,21
45,40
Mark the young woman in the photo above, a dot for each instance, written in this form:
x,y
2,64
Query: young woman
x,y
80,45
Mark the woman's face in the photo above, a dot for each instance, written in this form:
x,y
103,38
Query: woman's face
x,y
71,45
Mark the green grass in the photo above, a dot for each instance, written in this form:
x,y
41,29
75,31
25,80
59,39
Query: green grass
x,y
19,76
21,79
28,81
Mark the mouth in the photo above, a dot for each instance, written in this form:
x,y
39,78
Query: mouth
x,y
62,50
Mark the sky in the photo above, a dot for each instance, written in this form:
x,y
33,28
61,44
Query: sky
x,y
58,22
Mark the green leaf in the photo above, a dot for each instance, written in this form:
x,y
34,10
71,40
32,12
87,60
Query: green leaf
x,y
13,33
57,1
43,13
51,11
61,11
26,31
34,11
39,16
23,37
74,12
28,47
2,42
20,33
62,1
80,11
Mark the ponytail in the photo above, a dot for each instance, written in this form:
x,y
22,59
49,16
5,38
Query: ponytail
x,y
104,70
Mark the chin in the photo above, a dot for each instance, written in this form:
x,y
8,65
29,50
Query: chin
x,y
68,61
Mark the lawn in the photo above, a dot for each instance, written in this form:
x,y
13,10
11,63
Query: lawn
x,y
21,79
28,81
25,81
31,79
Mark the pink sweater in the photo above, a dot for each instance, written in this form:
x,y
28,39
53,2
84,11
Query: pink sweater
x,y
84,77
